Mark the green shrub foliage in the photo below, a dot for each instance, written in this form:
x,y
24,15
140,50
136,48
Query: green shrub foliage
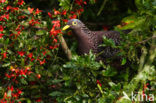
x,y
34,67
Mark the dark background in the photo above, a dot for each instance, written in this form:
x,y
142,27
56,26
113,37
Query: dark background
x,y
112,13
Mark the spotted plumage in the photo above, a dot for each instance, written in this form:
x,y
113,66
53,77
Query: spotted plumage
x,y
90,40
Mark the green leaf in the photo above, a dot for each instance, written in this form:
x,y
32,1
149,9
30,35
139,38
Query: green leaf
x,y
114,86
102,100
92,1
65,4
57,81
40,32
7,41
9,93
6,65
23,81
108,42
123,61
55,93
109,72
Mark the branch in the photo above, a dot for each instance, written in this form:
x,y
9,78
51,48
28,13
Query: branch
x,y
102,7
65,47
146,40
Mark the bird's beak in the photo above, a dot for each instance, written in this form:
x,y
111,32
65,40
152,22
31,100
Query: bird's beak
x,y
66,27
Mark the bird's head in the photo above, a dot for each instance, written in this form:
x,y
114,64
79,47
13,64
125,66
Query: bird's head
x,y
73,24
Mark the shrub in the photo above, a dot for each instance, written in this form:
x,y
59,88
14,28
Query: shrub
x,y
33,66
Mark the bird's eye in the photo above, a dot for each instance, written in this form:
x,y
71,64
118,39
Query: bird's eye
x,y
74,23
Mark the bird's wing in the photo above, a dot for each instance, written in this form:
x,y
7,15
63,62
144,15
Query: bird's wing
x,y
114,35
107,51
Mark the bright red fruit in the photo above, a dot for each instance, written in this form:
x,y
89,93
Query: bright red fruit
x,y
38,99
64,12
50,15
73,17
42,62
30,55
38,11
38,76
56,12
2,1
30,10
65,20
56,23
1,28
21,53
98,82
4,55
1,35
20,2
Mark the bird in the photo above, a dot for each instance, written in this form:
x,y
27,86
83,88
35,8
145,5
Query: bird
x,y
91,40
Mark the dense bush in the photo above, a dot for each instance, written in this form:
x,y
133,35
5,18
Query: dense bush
x,y
34,67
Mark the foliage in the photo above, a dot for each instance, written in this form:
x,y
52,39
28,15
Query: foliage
x,y
33,66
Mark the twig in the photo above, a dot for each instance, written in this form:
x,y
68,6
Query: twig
x,y
146,40
65,47
103,5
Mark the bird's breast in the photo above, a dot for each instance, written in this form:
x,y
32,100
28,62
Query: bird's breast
x,y
84,46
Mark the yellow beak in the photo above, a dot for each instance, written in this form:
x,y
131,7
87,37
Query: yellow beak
x,y
66,27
